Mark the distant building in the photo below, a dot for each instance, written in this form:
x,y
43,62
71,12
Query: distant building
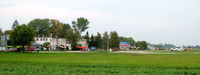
x,y
4,40
151,47
5,37
124,45
54,42
82,43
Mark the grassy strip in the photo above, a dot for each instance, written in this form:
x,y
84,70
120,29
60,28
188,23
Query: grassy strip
x,y
90,69
98,63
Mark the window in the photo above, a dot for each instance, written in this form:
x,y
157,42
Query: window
x,y
40,39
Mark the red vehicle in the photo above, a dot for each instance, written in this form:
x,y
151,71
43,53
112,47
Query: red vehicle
x,y
31,49
83,48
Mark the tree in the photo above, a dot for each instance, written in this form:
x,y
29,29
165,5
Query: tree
x,y
99,40
1,33
92,41
72,37
128,39
56,27
114,40
63,30
8,32
165,45
80,25
41,26
87,37
105,43
46,44
142,45
15,24
22,35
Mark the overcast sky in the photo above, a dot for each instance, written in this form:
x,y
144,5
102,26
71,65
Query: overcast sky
x,y
156,21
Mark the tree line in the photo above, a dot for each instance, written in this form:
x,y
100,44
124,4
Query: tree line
x,y
24,34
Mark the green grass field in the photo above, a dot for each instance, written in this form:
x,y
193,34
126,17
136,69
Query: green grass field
x,y
99,63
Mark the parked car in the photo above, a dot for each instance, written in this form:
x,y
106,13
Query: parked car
x,y
31,49
177,49
11,50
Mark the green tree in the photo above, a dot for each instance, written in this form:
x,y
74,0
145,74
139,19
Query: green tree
x,y
128,39
92,41
142,45
15,24
99,40
63,30
105,42
56,27
72,37
114,40
46,44
22,35
8,32
87,37
80,25
41,26
1,33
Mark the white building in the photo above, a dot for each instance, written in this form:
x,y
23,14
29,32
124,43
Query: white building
x,y
4,40
82,43
54,42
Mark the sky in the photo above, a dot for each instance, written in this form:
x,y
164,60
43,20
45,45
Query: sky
x,y
155,21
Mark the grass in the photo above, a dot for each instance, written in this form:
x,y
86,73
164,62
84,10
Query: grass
x,y
98,63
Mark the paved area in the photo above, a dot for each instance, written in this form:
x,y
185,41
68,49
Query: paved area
x,y
143,52
59,51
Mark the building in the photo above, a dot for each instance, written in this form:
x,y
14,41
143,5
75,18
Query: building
x,y
4,40
124,45
54,42
82,43
5,37
151,47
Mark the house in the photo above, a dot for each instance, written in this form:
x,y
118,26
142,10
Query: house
x,y
82,43
151,47
124,45
5,37
58,42
4,40
54,42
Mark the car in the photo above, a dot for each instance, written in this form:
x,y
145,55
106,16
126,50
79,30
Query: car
x,y
11,49
31,49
